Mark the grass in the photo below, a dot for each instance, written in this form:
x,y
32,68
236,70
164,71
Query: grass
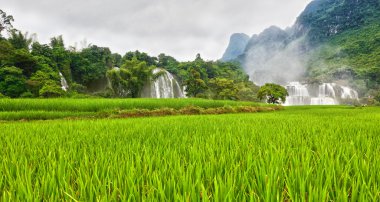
x,y
47,109
97,105
297,154
44,115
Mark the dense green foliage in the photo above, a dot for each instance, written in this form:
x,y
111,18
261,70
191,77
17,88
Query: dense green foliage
x,y
323,19
12,81
272,93
353,56
129,80
216,80
283,156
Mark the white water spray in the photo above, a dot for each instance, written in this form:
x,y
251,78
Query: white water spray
x,y
165,86
64,84
328,94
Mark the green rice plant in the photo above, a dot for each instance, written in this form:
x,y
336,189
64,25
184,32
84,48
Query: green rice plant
x,y
43,115
96,105
130,113
296,154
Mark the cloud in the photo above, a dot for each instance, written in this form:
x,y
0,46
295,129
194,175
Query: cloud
x,y
181,28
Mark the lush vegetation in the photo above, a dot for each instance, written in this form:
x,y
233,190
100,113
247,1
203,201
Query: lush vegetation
x,y
288,155
346,40
353,56
30,69
323,19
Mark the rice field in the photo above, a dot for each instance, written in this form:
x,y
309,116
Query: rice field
x,y
48,109
98,105
296,154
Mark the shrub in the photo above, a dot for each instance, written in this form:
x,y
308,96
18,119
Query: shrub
x,y
51,89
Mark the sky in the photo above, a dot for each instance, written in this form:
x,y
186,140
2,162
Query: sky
x,y
180,28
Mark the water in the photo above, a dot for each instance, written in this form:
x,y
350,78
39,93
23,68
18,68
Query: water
x,y
298,94
348,93
64,84
324,94
323,101
165,86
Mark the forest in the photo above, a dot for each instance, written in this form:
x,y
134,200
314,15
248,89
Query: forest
x,y
29,69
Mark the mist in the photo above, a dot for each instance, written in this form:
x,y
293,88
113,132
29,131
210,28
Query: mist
x,y
270,58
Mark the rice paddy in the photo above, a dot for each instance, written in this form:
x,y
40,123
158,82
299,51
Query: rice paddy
x,y
295,154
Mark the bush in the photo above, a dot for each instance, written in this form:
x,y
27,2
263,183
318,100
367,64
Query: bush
x,y
78,88
51,89
12,81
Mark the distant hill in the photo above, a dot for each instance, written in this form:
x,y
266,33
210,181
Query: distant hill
x,y
236,47
332,40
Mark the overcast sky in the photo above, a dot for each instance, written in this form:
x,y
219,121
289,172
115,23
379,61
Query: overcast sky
x,y
180,28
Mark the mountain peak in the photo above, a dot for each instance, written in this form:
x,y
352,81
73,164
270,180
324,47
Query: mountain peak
x,y
236,46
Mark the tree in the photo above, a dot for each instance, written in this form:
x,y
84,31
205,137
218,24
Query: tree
x,y
141,56
5,21
169,63
51,89
224,89
273,93
42,50
194,84
116,59
20,40
22,59
12,81
91,64
61,56
129,80
247,91
38,80
6,52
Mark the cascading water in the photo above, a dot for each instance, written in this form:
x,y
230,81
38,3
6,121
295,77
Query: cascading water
x,y
298,94
348,93
165,86
327,94
64,84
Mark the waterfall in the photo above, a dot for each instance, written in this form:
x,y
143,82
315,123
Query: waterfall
x,y
327,90
165,86
327,94
64,84
323,101
298,94
348,93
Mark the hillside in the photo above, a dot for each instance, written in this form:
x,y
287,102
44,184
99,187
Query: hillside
x,y
331,41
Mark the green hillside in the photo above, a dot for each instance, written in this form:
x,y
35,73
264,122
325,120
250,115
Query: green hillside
x,y
353,55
